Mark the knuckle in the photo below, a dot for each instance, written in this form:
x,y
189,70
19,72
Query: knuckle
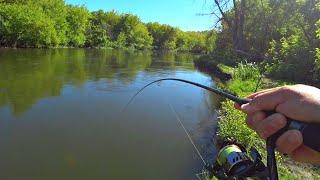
x,y
258,98
286,89
275,122
279,118
289,91
256,101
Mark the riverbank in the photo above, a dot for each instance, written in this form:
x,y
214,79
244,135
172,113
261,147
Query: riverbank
x,y
232,125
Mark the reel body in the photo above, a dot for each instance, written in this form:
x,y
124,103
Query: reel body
x,y
233,162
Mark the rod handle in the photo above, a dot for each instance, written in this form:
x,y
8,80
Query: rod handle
x,y
310,133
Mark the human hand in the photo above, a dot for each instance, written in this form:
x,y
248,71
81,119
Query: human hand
x,y
299,102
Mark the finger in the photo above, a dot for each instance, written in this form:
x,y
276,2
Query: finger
x,y
271,125
289,142
237,106
306,154
253,120
265,101
261,92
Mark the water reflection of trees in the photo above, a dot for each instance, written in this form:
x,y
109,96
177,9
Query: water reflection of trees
x,y
28,75
171,60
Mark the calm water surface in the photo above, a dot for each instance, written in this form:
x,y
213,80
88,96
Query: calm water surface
x,y
60,115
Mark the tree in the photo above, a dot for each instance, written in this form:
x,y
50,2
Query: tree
x,y
56,10
137,35
164,36
77,19
140,38
233,20
96,35
52,23
25,26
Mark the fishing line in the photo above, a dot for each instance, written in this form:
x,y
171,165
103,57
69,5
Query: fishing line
x,y
186,131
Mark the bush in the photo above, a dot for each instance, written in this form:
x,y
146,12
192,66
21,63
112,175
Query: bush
x,y
77,18
292,59
26,26
317,56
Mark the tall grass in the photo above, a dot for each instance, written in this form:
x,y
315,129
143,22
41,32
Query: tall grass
x,y
232,123
245,78
246,71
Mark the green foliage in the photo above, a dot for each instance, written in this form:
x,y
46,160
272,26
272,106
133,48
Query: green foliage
x,y
121,41
292,59
317,56
164,36
282,33
59,24
137,34
77,19
140,37
24,26
56,10
293,53
99,32
232,125
246,71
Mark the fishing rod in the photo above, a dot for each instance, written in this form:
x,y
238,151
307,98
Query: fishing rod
x,y
222,93
235,156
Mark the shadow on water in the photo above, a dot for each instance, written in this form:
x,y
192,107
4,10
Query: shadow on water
x,y
59,115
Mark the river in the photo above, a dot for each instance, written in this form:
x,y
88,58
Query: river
x,y
61,115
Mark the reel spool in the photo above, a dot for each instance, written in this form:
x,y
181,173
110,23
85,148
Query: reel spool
x,y
233,162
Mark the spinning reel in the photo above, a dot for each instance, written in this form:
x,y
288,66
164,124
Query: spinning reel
x,y
234,162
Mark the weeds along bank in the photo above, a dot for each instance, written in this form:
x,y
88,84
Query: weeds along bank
x,y
232,122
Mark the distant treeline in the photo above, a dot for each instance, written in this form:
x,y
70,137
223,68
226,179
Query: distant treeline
x,y
53,23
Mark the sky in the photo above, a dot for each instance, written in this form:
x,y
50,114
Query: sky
x,y
177,13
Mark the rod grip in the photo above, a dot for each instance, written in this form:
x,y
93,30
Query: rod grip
x,y
310,133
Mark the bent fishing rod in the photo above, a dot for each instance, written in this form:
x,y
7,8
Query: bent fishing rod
x,y
308,130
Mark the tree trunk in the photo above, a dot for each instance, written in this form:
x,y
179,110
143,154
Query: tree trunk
x,y
241,40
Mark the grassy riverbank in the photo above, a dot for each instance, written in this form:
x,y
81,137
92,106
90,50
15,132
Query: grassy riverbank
x,y
232,124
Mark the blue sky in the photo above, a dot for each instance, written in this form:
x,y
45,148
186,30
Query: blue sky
x,y
178,13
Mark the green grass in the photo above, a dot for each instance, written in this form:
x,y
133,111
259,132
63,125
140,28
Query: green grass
x,y
225,68
232,125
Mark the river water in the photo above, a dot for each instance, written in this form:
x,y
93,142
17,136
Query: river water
x,y
61,115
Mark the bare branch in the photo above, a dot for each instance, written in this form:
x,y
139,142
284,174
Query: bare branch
x,y
222,13
208,14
